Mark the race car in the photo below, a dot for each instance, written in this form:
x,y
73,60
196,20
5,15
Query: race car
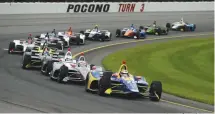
x,y
78,38
122,82
32,57
69,69
19,46
156,30
131,33
98,35
181,26
51,39
48,61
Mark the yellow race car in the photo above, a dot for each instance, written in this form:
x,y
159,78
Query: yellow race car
x,y
122,82
33,56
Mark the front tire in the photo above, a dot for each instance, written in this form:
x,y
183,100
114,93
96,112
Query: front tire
x,y
118,33
62,74
155,91
104,83
26,61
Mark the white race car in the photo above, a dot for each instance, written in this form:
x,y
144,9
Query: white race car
x,y
181,26
78,38
69,69
96,34
19,46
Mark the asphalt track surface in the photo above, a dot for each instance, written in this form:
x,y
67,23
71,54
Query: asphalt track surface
x,y
29,91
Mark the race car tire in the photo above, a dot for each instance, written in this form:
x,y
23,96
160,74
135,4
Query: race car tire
x,y
102,37
158,31
141,28
26,61
194,27
11,47
155,91
118,33
62,74
110,38
182,28
168,26
49,67
59,46
104,83
82,32
138,35
78,40
43,68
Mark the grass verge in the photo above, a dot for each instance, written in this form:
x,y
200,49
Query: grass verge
x,y
185,67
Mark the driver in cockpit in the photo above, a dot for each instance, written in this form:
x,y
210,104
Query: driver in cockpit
x,y
182,21
124,73
154,24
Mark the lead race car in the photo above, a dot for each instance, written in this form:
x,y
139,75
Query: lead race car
x,y
97,34
181,26
122,82
69,69
131,32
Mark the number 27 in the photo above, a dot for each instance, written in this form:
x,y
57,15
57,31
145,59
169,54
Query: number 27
x,y
142,8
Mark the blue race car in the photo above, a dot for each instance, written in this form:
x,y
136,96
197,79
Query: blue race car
x,y
122,82
131,32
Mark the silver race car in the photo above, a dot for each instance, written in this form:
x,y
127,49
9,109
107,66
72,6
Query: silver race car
x,y
96,34
68,69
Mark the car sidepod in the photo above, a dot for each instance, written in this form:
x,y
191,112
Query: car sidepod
x,y
92,81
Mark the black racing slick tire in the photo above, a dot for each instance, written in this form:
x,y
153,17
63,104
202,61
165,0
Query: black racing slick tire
x,y
26,61
62,74
104,83
78,40
48,68
118,33
11,47
155,91
82,32
59,46
168,26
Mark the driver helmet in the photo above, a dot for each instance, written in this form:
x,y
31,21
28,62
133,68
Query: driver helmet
x,y
123,73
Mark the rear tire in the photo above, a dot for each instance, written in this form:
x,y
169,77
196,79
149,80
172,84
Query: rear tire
x,y
11,47
168,25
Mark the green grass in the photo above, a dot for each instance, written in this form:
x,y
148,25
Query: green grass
x,y
185,67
